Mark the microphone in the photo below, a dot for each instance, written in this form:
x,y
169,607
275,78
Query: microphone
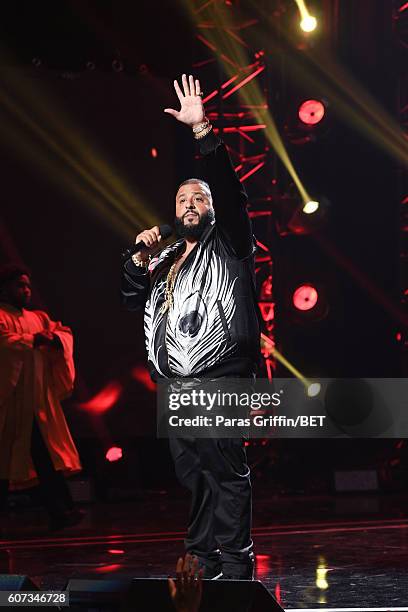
x,y
165,232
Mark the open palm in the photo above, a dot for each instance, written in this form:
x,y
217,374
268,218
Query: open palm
x,y
192,108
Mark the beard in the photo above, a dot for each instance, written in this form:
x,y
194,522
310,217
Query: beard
x,y
193,230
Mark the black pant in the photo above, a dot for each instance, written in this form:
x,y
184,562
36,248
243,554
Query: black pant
x,y
54,491
217,474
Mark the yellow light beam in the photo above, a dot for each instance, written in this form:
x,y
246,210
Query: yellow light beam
x,y
269,345
54,146
251,93
348,98
28,149
53,126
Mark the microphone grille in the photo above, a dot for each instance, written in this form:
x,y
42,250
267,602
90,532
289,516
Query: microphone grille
x,y
165,231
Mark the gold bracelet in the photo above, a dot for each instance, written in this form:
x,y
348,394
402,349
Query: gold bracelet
x,y
139,262
203,132
201,126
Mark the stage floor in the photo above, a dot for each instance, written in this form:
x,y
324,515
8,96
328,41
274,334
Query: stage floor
x,y
311,552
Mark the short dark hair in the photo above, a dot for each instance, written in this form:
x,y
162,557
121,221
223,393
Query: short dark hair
x,y
10,272
191,181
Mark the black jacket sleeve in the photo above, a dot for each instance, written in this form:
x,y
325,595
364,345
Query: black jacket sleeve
x,y
135,286
229,196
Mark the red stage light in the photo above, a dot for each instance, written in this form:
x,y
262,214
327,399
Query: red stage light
x,y
154,152
141,374
116,551
311,112
105,399
114,454
305,297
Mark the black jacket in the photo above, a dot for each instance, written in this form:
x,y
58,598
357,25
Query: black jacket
x,y
212,327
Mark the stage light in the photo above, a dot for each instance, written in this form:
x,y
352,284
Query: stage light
x,y
114,454
314,389
305,297
308,23
310,207
311,112
105,399
117,65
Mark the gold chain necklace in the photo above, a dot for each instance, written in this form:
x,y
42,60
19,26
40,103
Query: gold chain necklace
x,y
168,292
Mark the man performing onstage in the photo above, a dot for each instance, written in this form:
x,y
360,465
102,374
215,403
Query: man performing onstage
x,y
36,372
201,320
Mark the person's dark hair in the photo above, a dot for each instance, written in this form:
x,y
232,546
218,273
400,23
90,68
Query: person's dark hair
x,y
206,186
11,271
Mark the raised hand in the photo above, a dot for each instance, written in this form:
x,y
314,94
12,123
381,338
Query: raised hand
x,y
192,109
186,590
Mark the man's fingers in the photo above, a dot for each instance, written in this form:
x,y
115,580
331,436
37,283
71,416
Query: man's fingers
x,y
186,567
178,91
172,112
185,85
149,237
191,85
194,567
172,587
179,572
197,87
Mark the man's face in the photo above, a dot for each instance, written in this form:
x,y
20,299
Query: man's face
x,y
18,292
192,203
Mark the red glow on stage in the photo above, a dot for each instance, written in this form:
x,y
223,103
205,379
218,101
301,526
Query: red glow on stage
x,y
398,336
104,400
114,454
305,297
262,566
141,374
115,551
311,112
243,82
278,593
403,7
154,152
105,569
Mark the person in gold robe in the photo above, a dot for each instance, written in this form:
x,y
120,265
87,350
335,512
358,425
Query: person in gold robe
x,y
36,373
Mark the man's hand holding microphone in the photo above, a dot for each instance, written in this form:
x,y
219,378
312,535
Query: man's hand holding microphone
x,y
147,243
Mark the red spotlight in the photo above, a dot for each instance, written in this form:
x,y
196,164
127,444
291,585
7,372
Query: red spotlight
x,y
305,297
311,112
114,454
105,399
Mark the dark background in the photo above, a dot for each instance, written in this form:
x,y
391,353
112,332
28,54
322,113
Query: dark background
x,y
57,58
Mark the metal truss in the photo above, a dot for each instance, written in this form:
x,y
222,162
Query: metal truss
x,y
241,131
400,17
